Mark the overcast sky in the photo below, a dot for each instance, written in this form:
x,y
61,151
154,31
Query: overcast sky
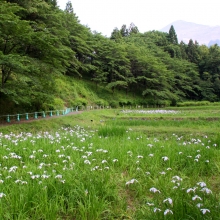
x,y
104,15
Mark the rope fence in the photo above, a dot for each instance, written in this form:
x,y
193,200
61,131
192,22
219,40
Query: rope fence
x,y
36,115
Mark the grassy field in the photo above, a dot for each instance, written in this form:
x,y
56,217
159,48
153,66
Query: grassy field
x,y
113,164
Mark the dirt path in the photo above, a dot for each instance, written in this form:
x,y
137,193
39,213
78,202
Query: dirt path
x,y
12,122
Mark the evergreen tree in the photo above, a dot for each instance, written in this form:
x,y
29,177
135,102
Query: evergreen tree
x,y
192,51
183,48
133,29
172,37
124,31
79,42
69,7
52,2
116,35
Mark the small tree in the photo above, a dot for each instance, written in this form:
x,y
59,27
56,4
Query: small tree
x,y
172,37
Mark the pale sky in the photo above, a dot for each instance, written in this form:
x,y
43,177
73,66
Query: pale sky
x,y
104,15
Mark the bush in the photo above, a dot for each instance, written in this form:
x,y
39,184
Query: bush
x,y
151,102
81,101
164,103
139,102
55,104
114,104
216,103
122,102
193,103
58,103
130,103
101,102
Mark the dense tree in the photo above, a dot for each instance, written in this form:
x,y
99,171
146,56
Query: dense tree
x,y
133,29
149,71
124,31
192,51
172,36
15,34
80,43
69,7
116,35
113,63
157,37
38,41
173,50
98,73
183,48
210,72
30,50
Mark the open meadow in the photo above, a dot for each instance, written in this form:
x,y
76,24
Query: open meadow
x,y
113,164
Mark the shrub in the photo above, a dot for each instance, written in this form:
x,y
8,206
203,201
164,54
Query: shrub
x,y
101,102
58,103
216,103
81,101
193,103
53,104
164,102
114,104
122,102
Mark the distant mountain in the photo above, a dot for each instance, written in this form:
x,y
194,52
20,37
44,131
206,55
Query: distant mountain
x,y
203,34
212,42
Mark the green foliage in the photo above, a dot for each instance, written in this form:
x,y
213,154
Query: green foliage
x,y
191,103
112,130
116,35
124,102
192,51
114,104
172,37
164,103
30,52
80,101
58,104
43,47
101,102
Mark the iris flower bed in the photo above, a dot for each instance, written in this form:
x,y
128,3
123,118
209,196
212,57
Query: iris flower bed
x,y
158,111
78,173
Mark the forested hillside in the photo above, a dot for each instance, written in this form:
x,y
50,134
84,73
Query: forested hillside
x,y
44,49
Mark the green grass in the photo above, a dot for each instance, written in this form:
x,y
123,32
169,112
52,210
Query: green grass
x,y
103,165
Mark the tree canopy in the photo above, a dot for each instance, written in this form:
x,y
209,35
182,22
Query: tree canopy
x,y
39,42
